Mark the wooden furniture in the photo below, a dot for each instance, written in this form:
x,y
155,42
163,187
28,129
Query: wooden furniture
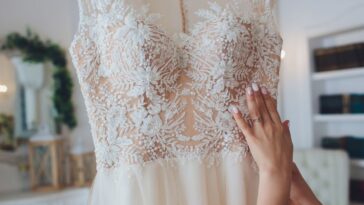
x,y
83,168
46,158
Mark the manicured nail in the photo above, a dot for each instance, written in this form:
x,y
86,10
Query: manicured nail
x,y
249,90
264,91
234,109
255,87
286,123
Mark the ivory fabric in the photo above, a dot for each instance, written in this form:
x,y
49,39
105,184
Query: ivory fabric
x,y
159,102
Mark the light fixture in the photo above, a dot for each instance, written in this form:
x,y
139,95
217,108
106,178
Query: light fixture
x,y
3,88
283,54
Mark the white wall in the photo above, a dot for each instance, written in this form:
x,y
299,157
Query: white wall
x,y
7,74
56,20
299,19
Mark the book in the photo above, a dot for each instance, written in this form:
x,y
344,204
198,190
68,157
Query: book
x,y
347,56
357,103
326,59
360,53
357,190
331,104
353,145
339,57
341,103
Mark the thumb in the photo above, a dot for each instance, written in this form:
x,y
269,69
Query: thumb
x,y
286,130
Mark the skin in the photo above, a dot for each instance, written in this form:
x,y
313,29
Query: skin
x,y
270,143
301,194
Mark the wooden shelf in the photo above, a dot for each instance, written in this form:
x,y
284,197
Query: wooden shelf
x,y
339,117
347,73
357,162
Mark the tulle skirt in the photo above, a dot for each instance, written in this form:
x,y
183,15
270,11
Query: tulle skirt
x,y
183,182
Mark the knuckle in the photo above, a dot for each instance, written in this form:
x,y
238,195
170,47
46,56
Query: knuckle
x,y
242,124
254,112
280,129
269,129
276,130
270,100
237,117
270,105
258,98
260,105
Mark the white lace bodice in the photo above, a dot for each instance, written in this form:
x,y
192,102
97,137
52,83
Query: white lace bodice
x,y
150,95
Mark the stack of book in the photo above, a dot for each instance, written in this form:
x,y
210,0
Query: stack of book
x,y
357,190
340,57
342,103
354,146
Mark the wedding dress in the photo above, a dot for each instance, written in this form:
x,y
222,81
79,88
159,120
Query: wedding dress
x,y
158,103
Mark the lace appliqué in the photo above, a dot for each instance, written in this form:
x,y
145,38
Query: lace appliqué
x,y
139,84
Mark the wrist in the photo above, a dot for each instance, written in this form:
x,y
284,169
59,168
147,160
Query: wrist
x,y
283,177
274,186
274,171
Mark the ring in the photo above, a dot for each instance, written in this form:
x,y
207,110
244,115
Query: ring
x,y
258,119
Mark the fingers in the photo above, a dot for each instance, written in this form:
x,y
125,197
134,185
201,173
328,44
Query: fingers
x,y
262,109
271,106
259,100
286,130
254,112
295,170
287,133
242,123
286,124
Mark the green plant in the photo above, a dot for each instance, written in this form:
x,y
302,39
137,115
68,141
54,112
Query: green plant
x,y
7,129
33,49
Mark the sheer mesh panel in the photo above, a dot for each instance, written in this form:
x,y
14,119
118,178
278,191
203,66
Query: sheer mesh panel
x,y
156,94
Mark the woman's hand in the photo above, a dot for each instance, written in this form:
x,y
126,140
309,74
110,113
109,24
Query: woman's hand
x,y
268,138
270,144
301,193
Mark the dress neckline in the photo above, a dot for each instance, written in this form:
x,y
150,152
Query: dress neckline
x,y
207,15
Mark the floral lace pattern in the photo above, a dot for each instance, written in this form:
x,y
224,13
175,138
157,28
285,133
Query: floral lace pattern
x,y
151,96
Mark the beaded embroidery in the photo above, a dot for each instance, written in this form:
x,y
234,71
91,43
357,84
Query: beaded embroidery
x,y
140,84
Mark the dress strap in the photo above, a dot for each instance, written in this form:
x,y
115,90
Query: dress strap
x,y
263,6
87,8
91,8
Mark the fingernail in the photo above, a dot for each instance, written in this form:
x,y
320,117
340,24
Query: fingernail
x,y
264,91
234,109
249,90
255,87
286,122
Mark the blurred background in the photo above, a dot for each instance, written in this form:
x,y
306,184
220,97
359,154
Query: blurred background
x,y
46,148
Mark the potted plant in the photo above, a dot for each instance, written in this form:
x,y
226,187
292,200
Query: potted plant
x,y
7,132
32,49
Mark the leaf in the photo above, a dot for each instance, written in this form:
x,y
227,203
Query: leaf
x,y
35,50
